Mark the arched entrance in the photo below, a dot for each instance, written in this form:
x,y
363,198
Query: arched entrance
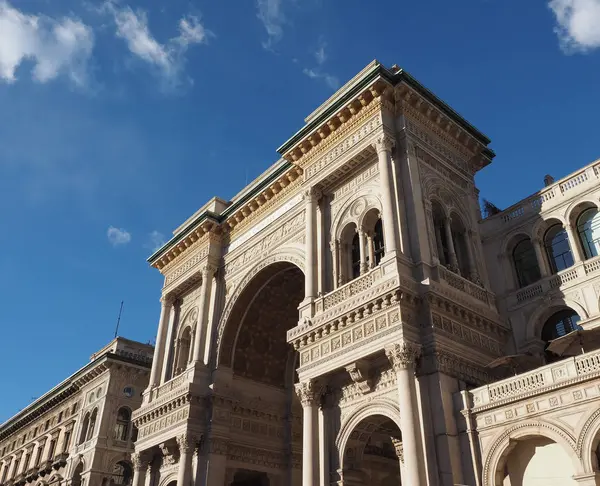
x,y
373,454
255,349
537,461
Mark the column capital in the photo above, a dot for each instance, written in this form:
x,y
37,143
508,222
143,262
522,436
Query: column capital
x,y
139,460
309,393
208,271
383,143
311,194
403,355
168,299
186,442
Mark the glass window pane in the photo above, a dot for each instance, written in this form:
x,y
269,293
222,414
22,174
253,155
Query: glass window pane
x,y
526,265
558,248
588,227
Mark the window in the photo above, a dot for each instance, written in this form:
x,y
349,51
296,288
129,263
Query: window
x,y
52,449
47,425
84,428
557,247
378,244
67,441
35,431
355,255
122,425
60,416
16,468
26,461
588,228
5,472
559,324
184,349
122,473
440,233
38,455
92,424
74,409
526,264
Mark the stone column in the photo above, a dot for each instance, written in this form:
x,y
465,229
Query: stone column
x,y
216,461
403,359
335,248
539,254
438,243
309,395
203,307
371,250
169,354
383,145
578,256
186,448
310,198
363,253
453,263
342,272
140,466
474,273
161,336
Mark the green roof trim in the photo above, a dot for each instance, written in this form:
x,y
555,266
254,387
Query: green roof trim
x,y
205,215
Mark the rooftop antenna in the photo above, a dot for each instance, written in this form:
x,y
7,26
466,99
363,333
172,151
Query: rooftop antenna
x,y
119,319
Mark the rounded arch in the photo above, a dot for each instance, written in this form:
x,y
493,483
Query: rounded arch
x,y
577,207
588,443
123,423
168,479
55,478
294,256
384,407
503,444
354,210
544,312
190,318
511,240
449,200
439,205
540,226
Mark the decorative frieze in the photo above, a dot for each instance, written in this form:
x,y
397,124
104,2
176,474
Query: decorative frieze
x,y
464,333
164,423
370,173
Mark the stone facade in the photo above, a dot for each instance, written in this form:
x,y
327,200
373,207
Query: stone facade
x,y
316,328
80,433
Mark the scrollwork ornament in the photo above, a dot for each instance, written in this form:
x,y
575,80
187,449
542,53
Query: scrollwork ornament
x,y
403,355
383,143
186,443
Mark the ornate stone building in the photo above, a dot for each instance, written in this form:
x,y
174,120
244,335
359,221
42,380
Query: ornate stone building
x,y
333,323
80,432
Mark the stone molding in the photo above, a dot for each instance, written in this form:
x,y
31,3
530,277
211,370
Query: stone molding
x,y
309,393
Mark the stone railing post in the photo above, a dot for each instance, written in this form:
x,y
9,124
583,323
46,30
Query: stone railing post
x,y
309,395
403,358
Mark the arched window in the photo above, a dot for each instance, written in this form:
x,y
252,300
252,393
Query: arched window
x,y
559,324
526,264
122,425
184,349
460,242
355,256
84,428
556,242
92,426
378,242
588,228
77,480
440,233
122,473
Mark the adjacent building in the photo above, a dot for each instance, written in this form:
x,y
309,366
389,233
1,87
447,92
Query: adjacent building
x,y
80,433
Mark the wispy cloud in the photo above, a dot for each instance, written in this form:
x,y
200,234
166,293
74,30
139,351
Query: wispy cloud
x,y
331,81
578,24
168,58
270,13
320,54
156,240
56,46
118,236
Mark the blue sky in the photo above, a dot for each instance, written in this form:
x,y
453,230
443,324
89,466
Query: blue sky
x,y
119,119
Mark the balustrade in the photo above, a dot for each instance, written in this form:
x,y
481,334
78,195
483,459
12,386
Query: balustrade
x,y
466,286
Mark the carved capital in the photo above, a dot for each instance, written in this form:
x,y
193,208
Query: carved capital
x,y
167,300
168,453
309,393
208,271
399,447
403,355
139,461
186,443
311,194
383,143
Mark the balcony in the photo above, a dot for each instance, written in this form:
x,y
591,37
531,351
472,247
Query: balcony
x,y
563,280
477,292
567,372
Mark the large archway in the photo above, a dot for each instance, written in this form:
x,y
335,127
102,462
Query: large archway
x,y
254,347
373,453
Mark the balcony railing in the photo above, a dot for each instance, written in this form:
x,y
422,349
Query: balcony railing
x,y
550,195
568,371
466,286
563,279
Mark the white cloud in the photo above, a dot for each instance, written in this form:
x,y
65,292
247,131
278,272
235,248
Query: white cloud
x,y
270,13
330,80
168,58
320,54
157,240
578,26
55,46
118,236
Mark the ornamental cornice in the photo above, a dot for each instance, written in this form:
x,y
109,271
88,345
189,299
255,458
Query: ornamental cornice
x,y
373,99
207,232
457,330
408,100
156,409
